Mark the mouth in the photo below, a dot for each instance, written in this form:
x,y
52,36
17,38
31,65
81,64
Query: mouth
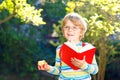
x,y
70,34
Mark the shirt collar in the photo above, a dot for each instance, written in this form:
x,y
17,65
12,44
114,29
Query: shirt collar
x,y
79,44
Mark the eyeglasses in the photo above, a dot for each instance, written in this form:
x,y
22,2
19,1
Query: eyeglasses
x,y
72,28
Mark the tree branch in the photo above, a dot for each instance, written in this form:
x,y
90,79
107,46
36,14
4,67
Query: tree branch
x,y
7,18
10,16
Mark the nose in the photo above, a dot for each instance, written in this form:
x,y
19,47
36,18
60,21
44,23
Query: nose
x,y
70,29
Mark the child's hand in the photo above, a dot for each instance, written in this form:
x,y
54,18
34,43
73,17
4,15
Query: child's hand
x,y
42,65
77,62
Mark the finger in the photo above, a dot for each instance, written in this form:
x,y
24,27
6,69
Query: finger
x,y
39,67
73,60
84,58
77,60
43,66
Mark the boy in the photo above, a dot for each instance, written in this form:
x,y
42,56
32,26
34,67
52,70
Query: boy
x,y
73,28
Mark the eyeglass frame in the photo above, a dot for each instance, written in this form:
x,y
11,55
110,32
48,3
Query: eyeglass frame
x,y
72,28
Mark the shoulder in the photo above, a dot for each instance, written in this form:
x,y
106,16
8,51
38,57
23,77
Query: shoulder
x,y
58,47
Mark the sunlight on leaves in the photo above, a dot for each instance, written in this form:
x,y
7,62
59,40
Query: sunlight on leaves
x,y
70,7
24,11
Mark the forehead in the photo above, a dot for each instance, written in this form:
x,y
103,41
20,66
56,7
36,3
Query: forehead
x,y
74,21
69,23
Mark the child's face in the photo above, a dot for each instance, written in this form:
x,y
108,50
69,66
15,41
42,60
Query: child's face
x,y
71,32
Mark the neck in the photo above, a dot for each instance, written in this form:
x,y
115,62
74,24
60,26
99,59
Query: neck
x,y
74,42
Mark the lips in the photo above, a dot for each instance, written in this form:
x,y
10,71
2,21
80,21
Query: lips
x,y
70,34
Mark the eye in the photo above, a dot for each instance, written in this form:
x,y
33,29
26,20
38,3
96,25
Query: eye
x,y
66,27
75,28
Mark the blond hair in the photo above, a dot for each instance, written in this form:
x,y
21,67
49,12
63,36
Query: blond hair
x,y
76,19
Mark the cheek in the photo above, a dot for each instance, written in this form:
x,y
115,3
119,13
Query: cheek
x,y
64,33
81,33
